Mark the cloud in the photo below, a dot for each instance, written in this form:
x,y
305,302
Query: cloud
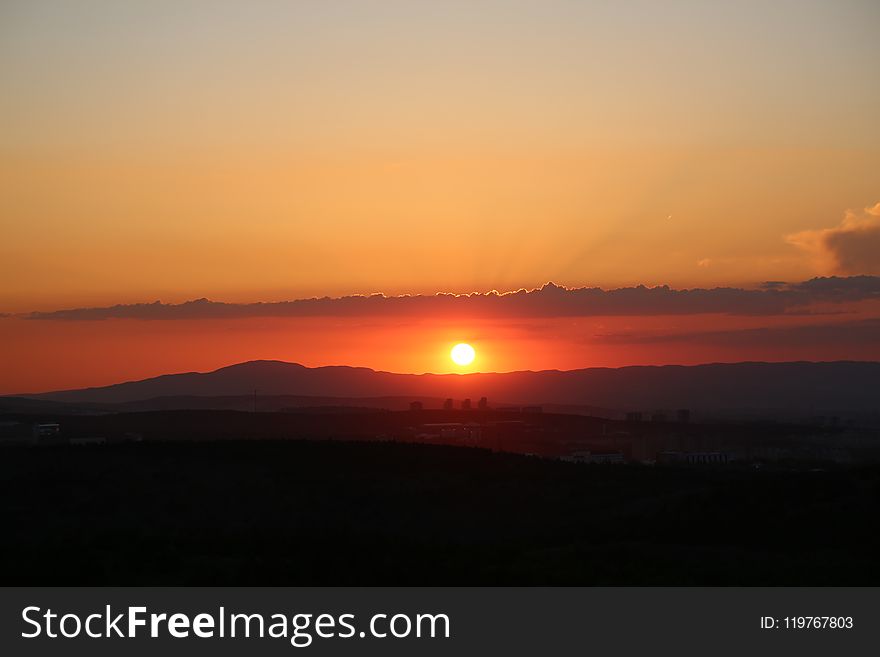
x,y
859,333
548,301
852,247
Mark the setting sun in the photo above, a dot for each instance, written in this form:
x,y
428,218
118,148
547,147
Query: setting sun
x,y
462,354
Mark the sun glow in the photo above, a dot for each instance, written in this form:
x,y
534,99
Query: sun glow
x,y
462,354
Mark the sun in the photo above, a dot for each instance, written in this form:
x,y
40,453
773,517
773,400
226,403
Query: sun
x,y
462,354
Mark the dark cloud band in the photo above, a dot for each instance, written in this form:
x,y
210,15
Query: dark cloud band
x,y
551,300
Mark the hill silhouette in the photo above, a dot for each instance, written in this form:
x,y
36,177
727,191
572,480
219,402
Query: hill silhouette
x,y
794,386
299,513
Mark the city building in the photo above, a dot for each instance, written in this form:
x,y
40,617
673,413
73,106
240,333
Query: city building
x,y
46,433
451,431
691,458
604,458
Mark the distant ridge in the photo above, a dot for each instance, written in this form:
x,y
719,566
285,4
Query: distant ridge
x,y
794,386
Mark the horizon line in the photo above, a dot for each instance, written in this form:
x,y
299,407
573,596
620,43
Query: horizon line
x,y
444,374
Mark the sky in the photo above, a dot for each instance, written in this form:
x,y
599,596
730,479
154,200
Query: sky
x,y
273,151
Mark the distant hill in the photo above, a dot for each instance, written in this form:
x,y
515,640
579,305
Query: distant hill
x,y
802,387
28,405
262,403
275,403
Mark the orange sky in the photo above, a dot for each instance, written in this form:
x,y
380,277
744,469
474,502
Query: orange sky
x,y
64,354
182,150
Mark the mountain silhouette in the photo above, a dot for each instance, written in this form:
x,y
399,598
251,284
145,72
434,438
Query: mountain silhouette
x,y
794,386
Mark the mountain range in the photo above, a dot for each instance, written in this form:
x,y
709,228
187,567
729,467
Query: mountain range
x,y
793,387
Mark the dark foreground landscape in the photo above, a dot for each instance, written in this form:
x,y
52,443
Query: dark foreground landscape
x,y
319,512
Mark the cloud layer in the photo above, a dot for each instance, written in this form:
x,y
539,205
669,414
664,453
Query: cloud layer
x,y
772,298
851,247
860,333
